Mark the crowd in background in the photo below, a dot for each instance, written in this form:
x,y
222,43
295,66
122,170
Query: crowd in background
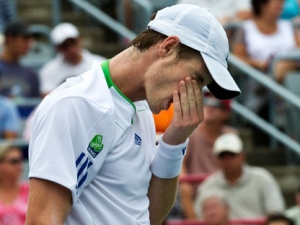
x,y
258,31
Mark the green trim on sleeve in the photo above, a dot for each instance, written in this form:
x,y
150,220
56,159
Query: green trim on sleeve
x,y
110,83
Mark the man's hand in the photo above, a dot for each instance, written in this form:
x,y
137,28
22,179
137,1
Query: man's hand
x,y
188,112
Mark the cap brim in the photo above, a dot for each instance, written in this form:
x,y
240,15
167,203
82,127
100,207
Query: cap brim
x,y
218,152
223,86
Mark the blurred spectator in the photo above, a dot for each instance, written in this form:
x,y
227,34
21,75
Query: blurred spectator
x,y
6,13
225,11
252,191
278,219
258,41
199,157
17,80
294,212
9,118
13,193
215,209
70,61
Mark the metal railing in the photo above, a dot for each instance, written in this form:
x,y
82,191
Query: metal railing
x,y
104,19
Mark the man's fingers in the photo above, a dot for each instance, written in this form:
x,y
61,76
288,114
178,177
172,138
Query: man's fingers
x,y
191,97
198,98
183,99
177,105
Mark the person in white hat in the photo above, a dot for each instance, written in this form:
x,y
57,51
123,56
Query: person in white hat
x,y
71,60
92,153
252,192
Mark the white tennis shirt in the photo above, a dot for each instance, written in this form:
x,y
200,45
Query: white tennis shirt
x,y
88,137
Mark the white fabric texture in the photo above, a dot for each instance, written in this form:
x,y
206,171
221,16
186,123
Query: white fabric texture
x,y
263,47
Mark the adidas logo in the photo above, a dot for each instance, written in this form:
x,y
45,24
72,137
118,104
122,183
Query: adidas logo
x,y
137,140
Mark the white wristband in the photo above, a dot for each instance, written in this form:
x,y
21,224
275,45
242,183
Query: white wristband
x,y
168,160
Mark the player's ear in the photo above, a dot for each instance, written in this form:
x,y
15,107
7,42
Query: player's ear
x,y
169,46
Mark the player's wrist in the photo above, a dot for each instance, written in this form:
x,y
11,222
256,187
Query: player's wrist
x,y
167,162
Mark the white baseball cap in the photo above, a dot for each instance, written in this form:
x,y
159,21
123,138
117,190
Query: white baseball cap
x,y
62,32
197,28
229,142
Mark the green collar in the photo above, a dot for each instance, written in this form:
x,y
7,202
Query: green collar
x,y
110,83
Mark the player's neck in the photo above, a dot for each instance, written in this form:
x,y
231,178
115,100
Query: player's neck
x,y
127,70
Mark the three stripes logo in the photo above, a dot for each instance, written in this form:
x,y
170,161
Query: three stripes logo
x,y
137,140
82,166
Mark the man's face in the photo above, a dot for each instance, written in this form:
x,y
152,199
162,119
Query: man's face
x,y
163,78
18,45
71,50
214,211
230,162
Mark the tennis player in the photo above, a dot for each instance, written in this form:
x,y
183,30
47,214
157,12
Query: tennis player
x,y
92,154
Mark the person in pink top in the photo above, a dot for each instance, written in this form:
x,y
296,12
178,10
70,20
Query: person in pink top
x,y
13,193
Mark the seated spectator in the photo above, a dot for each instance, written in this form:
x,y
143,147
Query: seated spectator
x,y
258,41
13,193
252,191
17,80
199,157
225,11
9,118
278,219
70,61
215,209
294,212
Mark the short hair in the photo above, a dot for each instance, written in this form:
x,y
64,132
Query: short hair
x,y
276,217
17,28
6,147
256,6
148,38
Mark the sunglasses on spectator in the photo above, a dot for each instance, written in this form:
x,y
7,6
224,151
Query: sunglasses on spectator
x,y
67,43
14,161
214,103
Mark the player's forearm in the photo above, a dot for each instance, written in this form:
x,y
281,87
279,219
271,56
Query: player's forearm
x,y
162,194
